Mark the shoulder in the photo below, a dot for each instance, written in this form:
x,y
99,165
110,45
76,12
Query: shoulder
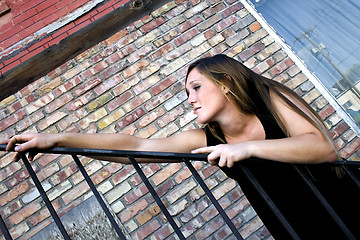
x,y
294,113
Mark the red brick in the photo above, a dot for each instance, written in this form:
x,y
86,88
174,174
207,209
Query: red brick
x,y
133,210
130,118
43,214
114,38
29,121
119,100
326,112
338,130
12,120
18,178
148,229
190,23
14,193
4,8
31,29
153,24
75,192
351,149
87,86
232,9
122,174
24,16
106,172
10,209
75,5
186,37
56,15
24,213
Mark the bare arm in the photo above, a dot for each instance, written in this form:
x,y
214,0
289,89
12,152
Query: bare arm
x,y
306,143
182,142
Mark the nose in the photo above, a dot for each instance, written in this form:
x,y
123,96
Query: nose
x,y
191,100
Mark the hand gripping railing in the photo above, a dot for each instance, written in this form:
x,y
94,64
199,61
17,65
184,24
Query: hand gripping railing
x,y
131,155
351,168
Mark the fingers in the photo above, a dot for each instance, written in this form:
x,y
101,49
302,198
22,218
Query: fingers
x,y
203,150
220,155
213,154
26,142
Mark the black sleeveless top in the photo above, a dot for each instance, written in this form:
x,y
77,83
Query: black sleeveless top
x,y
287,190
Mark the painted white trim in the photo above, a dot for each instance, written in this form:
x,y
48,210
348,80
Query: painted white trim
x,y
317,83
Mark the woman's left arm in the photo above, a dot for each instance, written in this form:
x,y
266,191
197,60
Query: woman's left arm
x,y
306,143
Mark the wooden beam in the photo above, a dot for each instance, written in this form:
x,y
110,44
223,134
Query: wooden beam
x,y
68,48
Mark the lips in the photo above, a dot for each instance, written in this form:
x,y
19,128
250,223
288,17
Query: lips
x,y
196,109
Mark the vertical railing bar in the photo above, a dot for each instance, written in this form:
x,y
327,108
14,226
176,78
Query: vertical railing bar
x,y
269,202
44,196
325,203
98,197
4,229
352,175
213,200
156,197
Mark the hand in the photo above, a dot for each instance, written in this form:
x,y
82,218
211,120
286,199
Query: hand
x,y
226,154
26,142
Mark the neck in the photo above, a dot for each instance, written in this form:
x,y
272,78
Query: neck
x,y
239,127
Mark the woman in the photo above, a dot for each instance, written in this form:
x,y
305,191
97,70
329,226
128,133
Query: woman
x,y
245,117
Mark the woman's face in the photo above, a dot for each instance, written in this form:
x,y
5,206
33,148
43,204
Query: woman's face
x,y
205,96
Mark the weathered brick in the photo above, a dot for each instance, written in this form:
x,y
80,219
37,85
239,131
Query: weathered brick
x,y
117,192
24,213
146,120
55,117
142,98
148,229
114,116
14,193
58,103
94,117
134,68
75,192
29,121
7,122
9,170
63,174
43,101
130,118
147,83
87,86
170,117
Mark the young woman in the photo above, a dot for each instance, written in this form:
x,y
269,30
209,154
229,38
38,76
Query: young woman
x,y
245,117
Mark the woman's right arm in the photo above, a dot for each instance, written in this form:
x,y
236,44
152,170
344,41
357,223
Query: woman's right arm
x,y
183,142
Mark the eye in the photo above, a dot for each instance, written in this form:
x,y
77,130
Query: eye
x,y
196,88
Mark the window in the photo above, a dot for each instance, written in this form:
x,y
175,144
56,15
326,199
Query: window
x,y
325,34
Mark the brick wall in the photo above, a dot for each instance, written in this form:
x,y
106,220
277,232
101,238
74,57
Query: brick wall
x,y
28,27
134,83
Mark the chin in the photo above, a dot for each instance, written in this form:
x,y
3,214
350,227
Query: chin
x,y
201,121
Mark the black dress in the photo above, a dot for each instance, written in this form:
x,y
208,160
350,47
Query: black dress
x,y
282,182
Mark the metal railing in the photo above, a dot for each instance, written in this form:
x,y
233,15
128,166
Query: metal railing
x,y
351,168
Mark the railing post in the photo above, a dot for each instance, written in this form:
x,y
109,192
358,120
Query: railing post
x,y
4,229
156,198
269,202
325,203
44,196
213,200
98,197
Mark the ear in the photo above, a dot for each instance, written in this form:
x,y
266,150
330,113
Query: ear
x,y
225,89
226,84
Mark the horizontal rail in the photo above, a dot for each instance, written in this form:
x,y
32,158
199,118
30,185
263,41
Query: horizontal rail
x,y
152,154
351,167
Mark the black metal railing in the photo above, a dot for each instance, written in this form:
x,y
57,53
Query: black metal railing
x,y
351,168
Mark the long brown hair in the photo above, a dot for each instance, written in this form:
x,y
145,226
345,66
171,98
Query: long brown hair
x,y
220,68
